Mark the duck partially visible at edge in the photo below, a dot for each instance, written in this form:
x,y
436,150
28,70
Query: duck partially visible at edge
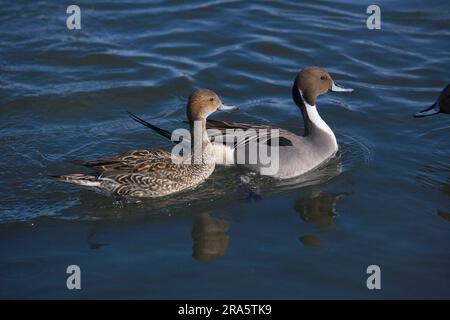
x,y
442,105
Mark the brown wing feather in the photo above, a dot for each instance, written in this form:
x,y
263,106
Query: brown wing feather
x,y
138,161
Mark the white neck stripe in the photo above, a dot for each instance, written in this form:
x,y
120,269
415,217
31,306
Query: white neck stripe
x,y
316,119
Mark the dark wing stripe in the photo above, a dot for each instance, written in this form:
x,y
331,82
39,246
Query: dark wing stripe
x,y
226,125
259,137
99,163
282,142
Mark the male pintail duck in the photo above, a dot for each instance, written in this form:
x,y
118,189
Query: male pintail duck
x,y
442,105
297,154
153,173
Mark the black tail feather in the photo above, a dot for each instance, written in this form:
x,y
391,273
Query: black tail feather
x,y
160,131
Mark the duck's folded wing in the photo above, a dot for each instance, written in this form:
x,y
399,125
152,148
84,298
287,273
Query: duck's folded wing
x,y
222,125
259,133
138,161
227,131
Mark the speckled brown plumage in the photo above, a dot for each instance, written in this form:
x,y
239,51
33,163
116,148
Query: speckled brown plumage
x,y
142,173
153,173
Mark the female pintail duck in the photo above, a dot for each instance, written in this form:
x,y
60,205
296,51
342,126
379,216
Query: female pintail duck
x,y
297,154
442,105
154,173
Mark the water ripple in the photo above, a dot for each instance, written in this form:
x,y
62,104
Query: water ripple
x,y
64,94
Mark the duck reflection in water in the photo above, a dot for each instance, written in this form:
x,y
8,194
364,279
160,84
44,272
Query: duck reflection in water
x,y
441,213
95,240
320,210
435,176
444,215
210,238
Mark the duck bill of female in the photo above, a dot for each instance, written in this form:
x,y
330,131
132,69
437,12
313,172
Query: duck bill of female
x,y
338,88
224,107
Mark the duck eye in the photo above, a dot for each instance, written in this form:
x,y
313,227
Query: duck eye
x,y
322,78
211,99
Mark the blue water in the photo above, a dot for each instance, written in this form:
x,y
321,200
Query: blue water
x,y
384,200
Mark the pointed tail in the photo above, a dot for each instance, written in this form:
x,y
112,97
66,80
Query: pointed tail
x,y
160,131
80,179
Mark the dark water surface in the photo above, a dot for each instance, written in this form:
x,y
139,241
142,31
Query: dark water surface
x,y
384,200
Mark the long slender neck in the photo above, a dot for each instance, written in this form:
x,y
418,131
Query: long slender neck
x,y
199,140
314,124
313,121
